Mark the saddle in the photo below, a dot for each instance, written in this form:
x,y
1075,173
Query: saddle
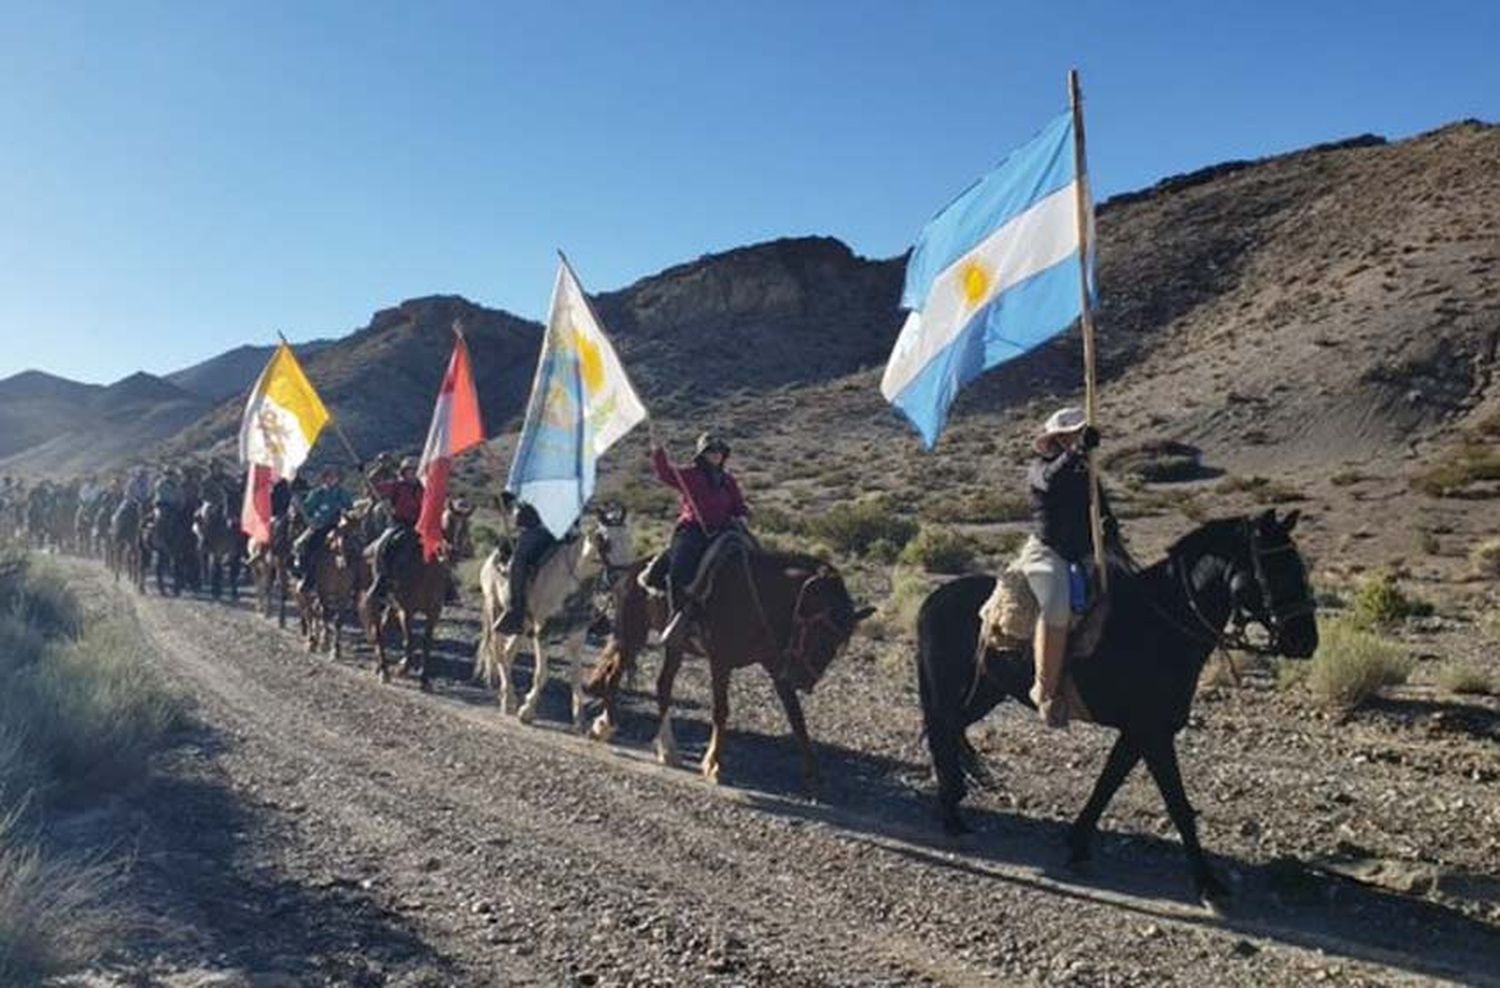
x,y
1007,624
1007,620
724,546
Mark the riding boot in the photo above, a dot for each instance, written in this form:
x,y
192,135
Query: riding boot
x,y
679,628
513,620
1050,649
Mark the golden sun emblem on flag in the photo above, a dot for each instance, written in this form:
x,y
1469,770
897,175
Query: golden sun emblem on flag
x,y
974,281
590,361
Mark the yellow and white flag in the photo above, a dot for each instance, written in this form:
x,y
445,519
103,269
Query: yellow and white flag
x,y
283,417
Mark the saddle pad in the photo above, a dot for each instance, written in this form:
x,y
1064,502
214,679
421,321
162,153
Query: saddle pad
x,y
1007,619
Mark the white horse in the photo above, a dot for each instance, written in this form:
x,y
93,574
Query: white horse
x,y
560,591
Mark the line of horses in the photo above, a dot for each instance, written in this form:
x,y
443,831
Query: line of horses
x,y
791,614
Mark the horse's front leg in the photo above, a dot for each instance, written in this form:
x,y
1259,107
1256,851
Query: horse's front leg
x,y
1122,758
792,704
1161,759
713,757
429,628
666,734
573,650
505,648
527,712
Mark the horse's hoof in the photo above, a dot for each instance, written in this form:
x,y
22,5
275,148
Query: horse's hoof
x,y
425,686
668,757
711,773
1214,894
602,729
526,714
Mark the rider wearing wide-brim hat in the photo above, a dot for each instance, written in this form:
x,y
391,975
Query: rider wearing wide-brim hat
x,y
1061,539
710,502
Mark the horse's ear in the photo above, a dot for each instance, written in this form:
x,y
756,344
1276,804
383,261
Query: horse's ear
x,y
863,613
1290,521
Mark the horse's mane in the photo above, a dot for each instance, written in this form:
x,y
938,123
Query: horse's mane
x,y
796,560
1213,529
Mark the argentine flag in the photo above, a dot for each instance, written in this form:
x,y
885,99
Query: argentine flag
x,y
992,276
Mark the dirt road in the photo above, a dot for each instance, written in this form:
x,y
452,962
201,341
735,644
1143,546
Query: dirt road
x,y
323,828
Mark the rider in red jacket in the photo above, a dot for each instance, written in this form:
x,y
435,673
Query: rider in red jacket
x,y
404,495
710,503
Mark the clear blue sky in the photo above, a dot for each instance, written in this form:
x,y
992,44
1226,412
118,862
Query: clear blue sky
x,y
178,178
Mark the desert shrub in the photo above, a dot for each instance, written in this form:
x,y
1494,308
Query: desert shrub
x,y
771,518
1467,464
647,499
1263,490
1380,602
852,528
980,507
1428,542
1156,461
1464,677
1352,664
1344,478
1485,557
1003,544
939,550
909,587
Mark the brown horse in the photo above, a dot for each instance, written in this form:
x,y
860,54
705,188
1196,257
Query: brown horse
x,y
338,576
125,554
417,586
790,613
220,546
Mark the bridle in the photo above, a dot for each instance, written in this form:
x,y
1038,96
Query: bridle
x,y
795,649
1275,615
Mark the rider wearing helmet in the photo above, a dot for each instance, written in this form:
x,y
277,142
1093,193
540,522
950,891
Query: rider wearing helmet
x,y
1061,543
710,503
532,542
404,495
323,506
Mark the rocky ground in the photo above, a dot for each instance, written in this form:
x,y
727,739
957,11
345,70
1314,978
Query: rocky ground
x,y
318,827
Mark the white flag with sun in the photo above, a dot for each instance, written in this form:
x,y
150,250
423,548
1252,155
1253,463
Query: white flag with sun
x,y
581,404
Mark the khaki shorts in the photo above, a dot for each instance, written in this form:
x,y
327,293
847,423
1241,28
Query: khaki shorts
x,y
1047,572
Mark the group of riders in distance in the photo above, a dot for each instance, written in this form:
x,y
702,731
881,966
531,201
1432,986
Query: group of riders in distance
x,y
1040,633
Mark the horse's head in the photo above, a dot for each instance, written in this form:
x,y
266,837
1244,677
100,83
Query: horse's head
x,y
456,539
344,542
608,544
1269,586
823,619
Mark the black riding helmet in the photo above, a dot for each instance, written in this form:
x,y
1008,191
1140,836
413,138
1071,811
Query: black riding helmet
x,y
711,442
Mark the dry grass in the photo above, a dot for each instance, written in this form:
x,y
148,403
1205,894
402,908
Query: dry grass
x,y
1485,558
1381,603
1352,665
80,714
1464,678
1464,466
940,550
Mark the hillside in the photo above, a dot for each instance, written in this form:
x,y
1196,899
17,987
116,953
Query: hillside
x,y
103,426
1334,303
232,372
35,406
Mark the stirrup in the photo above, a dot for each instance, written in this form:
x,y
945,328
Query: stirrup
x,y
676,630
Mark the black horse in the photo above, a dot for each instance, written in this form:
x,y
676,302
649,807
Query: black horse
x,y
1163,624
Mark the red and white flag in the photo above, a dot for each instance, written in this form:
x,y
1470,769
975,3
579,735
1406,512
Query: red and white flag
x,y
455,428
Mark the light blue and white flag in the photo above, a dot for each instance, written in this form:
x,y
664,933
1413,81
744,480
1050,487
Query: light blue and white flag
x,y
581,404
993,275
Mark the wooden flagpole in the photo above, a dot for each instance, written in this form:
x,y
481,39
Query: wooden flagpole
x,y
1090,383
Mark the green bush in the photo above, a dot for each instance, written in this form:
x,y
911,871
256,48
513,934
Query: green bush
x,y
770,518
1262,490
939,550
1463,677
853,528
1352,665
1380,602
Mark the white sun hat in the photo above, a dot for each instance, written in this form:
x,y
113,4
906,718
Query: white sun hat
x,y
1062,422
